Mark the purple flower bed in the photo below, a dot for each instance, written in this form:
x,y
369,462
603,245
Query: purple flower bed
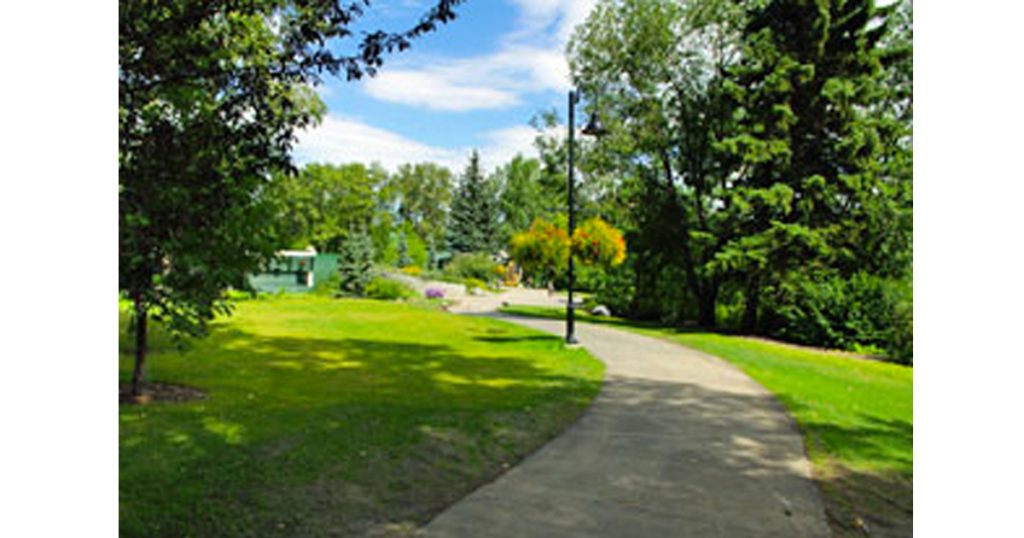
x,y
435,293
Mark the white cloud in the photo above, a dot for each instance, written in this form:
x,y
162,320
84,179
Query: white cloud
x,y
427,89
530,60
345,140
342,140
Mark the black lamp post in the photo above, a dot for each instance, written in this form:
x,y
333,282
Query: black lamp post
x,y
593,128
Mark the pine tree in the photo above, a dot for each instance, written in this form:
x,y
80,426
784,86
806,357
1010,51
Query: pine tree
x,y
809,189
355,263
474,218
403,249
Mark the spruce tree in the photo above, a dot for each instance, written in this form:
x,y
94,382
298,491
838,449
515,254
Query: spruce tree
x,y
403,249
807,146
355,263
474,219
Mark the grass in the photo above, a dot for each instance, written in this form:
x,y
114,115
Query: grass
x,y
856,416
338,417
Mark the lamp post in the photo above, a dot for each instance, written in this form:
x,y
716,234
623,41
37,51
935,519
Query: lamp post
x,y
593,128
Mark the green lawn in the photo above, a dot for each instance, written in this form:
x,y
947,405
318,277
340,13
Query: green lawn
x,y
335,417
856,416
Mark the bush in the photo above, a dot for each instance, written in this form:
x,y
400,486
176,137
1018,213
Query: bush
x,y
474,284
470,265
388,290
434,293
329,285
863,312
412,270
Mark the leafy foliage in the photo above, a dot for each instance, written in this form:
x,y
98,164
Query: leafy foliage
x,y
319,205
476,265
595,242
420,195
543,250
211,95
387,289
757,151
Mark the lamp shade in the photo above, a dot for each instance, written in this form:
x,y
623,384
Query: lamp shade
x,y
594,126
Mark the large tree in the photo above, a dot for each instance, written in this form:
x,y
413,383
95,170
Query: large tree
x,y
323,203
420,194
523,197
474,217
211,94
659,67
811,193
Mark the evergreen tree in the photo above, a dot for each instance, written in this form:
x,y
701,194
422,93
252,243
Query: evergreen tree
x,y
355,263
474,218
809,189
403,249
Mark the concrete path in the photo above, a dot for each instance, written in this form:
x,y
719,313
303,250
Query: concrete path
x,y
677,443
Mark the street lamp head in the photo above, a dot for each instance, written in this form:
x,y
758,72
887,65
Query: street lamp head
x,y
594,127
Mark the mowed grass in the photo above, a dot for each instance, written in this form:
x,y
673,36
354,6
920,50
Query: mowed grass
x,y
328,417
856,416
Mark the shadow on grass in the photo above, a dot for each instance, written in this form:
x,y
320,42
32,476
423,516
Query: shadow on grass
x,y
331,436
861,502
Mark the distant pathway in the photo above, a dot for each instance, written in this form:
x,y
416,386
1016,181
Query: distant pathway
x,y
677,443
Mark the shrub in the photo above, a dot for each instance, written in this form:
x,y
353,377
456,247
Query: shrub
x,y
470,265
861,312
474,284
388,290
328,286
596,242
434,293
412,270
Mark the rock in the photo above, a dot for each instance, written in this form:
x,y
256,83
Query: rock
x,y
601,310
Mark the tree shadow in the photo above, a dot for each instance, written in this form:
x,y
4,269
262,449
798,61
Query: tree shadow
x,y
684,455
329,436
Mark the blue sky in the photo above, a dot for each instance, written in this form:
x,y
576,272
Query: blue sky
x,y
475,83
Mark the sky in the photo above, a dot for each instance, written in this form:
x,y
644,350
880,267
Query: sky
x,y
475,83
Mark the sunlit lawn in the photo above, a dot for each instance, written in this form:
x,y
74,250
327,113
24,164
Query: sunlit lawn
x,y
856,416
333,417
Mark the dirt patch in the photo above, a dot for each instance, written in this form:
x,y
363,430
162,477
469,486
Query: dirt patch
x,y
159,392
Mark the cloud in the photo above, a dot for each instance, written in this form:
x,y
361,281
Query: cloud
x,y
529,60
422,88
344,140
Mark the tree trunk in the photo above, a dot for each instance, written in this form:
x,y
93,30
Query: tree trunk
x,y
140,345
753,293
706,306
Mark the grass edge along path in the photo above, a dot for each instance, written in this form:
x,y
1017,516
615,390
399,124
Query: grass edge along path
x,y
855,415
338,417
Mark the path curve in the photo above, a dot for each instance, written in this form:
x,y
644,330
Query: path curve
x,y
677,443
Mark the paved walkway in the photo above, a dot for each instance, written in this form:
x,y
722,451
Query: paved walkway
x,y
677,443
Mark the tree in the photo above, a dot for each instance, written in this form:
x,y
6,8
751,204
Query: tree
x,y
355,263
319,205
659,67
809,191
543,250
421,195
522,197
474,216
210,97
